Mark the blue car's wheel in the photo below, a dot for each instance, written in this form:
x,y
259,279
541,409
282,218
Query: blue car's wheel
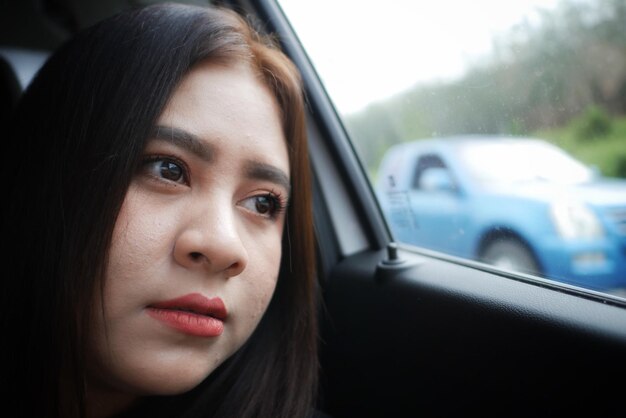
x,y
510,254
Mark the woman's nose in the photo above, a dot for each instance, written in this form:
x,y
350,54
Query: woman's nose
x,y
211,243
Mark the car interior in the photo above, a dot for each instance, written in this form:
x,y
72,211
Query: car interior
x,y
405,331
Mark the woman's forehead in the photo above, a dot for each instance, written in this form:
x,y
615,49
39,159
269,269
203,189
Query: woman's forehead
x,y
227,107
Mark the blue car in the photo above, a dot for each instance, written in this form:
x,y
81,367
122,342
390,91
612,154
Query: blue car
x,y
522,204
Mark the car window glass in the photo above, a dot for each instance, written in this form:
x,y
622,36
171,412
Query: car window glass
x,y
428,169
491,131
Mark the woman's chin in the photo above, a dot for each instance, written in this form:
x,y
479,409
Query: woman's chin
x,y
168,382
151,379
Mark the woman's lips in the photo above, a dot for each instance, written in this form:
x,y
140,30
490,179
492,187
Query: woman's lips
x,y
192,314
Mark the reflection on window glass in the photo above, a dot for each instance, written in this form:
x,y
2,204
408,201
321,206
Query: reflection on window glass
x,y
508,161
498,137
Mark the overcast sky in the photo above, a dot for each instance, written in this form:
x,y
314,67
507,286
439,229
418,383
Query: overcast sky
x,y
349,40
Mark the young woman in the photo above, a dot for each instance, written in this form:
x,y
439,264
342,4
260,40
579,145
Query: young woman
x,y
161,257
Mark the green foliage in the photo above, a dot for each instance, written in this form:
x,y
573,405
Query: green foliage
x,y
593,124
608,154
620,166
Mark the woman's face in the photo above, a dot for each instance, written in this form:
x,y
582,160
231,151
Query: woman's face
x,y
197,245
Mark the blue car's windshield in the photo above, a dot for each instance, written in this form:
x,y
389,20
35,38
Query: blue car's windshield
x,y
521,160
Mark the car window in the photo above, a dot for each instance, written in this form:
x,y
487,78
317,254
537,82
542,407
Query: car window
x,y
493,132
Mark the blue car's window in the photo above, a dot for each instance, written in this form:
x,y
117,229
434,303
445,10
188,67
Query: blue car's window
x,y
514,160
494,131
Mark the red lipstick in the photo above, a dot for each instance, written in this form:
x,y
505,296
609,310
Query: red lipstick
x,y
192,314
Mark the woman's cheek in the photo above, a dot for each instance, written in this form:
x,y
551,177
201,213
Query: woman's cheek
x,y
260,289
143,226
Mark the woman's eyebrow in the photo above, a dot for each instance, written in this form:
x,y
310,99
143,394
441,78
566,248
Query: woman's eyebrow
x,y
262,171
190,142
185,140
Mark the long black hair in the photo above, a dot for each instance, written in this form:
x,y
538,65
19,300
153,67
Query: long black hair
x,y
74,143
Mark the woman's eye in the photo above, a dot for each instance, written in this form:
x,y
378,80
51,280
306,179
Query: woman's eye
x,y
164,168
267,205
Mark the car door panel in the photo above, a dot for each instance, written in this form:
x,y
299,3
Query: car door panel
x,y
440,339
